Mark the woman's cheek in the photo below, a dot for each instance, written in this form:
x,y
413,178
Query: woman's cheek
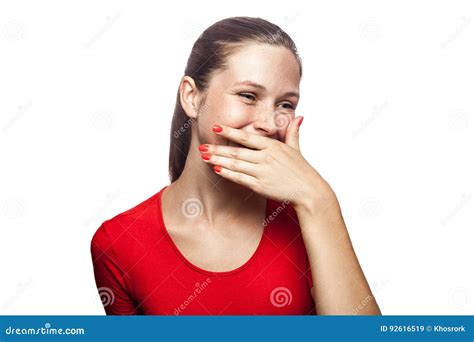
x,y
238,114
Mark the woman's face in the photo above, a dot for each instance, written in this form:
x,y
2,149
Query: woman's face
x,y
257,92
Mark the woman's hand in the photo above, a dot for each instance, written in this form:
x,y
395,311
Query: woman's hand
x,y
269,167
278,171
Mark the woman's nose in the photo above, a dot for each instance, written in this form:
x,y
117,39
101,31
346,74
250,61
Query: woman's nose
x,y
271,121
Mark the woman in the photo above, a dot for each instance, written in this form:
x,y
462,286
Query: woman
x,y
247,225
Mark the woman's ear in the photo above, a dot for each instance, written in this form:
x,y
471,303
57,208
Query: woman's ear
x,y
189,96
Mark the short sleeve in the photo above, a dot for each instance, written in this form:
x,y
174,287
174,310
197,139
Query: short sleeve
x,y
109,276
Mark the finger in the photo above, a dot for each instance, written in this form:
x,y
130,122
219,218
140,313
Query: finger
x,y
292,133
244,138
231,164
240,153
236,177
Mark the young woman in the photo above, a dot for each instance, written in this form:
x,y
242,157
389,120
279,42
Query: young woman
x,y
247,226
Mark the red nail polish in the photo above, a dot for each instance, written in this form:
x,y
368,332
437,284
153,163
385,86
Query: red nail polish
x,y
301,121
206,156
217,128
217,168
203,148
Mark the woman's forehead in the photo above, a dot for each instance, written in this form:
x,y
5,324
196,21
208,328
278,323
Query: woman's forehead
x,y
264,65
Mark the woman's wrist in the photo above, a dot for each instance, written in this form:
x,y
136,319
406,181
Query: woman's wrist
x,y
318,199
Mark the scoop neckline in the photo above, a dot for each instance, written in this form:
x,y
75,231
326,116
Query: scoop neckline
x,y
255,254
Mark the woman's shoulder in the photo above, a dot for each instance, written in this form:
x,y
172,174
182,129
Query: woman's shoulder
x,y
132,224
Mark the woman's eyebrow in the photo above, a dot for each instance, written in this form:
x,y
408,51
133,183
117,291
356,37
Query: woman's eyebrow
x,y
249,83
259,86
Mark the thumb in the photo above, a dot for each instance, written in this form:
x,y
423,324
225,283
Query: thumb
x,y
292,133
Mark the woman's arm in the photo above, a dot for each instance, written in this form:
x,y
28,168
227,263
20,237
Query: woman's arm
x,y
278,171
340,287
109,276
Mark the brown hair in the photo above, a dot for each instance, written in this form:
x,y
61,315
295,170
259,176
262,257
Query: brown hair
x,y
208,55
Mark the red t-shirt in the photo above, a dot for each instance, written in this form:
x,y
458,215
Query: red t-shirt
x,y
140,271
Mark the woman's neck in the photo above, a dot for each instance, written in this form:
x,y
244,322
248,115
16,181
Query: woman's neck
x,y
218,197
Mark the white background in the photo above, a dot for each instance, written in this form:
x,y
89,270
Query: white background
x,y
87,91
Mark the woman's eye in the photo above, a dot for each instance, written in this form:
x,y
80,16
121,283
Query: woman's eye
x,y
248,96
288,106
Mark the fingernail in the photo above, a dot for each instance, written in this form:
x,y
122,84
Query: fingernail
x,y
301,121
217,168
206,156
217,128
203,148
